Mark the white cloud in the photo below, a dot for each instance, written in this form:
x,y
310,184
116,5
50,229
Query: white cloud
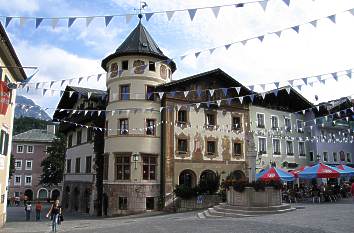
x,y
19,6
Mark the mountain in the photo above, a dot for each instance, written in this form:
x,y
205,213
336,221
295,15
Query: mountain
x,y
34,111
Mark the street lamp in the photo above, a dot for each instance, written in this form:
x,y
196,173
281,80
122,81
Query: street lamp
x,y
135,158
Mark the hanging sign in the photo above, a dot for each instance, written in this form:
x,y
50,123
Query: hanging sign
x,y
5,94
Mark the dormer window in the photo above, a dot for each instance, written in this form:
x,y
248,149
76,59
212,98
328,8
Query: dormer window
x,y
125,65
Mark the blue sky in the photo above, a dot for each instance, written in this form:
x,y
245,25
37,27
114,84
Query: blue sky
x,y
77,51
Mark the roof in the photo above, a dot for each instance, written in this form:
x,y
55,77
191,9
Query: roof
x,y
9,56
217,74
34,135
139,42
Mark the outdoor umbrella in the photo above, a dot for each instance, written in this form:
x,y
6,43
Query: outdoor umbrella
x,y
319,170
345,170
274,174
297,171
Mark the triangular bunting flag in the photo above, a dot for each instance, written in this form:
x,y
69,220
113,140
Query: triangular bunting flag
x,y
291,82
197,54
244,42
229,101
88,21
88,95
263,94
173,93
79,80
351,11
211,50
44,91
7,21
71,20
296,28
62,82
22,21
148,16
239,5
38,22
349,73
169,15
227,46
218,102
71,93
37,85
262,86
192,13
305,80
224,91
161,95
211,91
61,93
216,10
197,105
128,18
332,18
240,99
238,90
287,2
107,19
263,4
185,94
251,97
335,76
54,22
299,87
288,90
275,92
278,33
304,111
311,84
314,23
260,38
98,77
251,87
276,84
161,108
183,57
85,112
318,108
51,84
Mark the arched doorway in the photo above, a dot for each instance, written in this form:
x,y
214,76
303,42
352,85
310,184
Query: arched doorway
x,y
42,194
238,175
76,199
29,194
86,200
105,204
188,178
55,194
208,175
209,182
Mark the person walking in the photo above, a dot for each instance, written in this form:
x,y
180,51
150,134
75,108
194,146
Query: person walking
x,y
28,210
38,211
54,213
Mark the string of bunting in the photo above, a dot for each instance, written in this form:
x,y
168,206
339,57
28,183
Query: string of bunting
x,y
70,20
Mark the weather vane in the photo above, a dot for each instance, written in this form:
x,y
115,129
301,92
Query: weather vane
x,y
142,6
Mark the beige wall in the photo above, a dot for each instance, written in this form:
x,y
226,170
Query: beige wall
x,y
6,124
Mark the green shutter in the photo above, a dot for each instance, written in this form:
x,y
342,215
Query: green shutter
x,y
6,144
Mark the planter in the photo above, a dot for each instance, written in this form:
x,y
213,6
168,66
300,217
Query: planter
x,y
251,198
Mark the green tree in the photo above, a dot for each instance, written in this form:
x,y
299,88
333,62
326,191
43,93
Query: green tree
x,y
24,124
54,164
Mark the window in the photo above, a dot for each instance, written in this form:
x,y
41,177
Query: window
x,y
114,70
70,141
125,65
28,164
289,148
335,158
287,124
88,164
150,93
123,126
262,146
348,158
150,127
4,142
182,146
77,165
152,66
311,156
302,148
123,203
123,167
150,203
149,167
89,134
236,123
18,164
182,116
260,120
211,149
17,180
28,180
210,119
68,166
78,137
325,156
299,126
274,120
124,92
237,148
276,146
29,149
17,194
19,149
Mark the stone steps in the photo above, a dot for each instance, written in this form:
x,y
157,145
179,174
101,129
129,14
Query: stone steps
x,y
225,210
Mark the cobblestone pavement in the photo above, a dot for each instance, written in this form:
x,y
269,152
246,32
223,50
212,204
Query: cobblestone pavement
x,y
327,217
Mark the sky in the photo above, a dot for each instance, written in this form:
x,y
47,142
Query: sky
x,y
74,52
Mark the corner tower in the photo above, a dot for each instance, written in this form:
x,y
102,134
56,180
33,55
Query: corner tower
x,y
132,143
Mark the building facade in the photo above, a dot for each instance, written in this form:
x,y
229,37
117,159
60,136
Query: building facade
x,y
29,149
79,182
8,76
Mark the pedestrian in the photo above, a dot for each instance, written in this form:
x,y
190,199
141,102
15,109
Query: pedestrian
x,y
352,191
55,212
28,210
38,211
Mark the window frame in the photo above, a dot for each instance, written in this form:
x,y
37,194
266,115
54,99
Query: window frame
x,y
153,126
214,114
299,143
152,66
17,183
124,96
260,152
149,164
325,153
77,165
233,125
79,136
126,130
207,147
277,153
178,116
68,168
28,183
313,156
124,201
291,153
26,167
88,169
335,158
152,96
234,148
274,127
125,176
299,130
28,151
125,64
264,123
18,151
287,127
178,146
18,168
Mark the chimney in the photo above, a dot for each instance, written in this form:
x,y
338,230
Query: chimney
x,y
51,129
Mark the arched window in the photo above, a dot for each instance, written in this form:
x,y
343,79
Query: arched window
x,y
188,178
42,194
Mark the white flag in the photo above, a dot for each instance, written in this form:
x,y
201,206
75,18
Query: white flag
x,y
88,21
264,4
55,22
169,15
216,10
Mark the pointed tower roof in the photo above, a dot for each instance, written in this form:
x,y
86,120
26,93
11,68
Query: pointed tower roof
x,y
139,42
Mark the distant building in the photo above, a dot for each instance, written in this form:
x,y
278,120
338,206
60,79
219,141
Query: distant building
x,y
79,184
29,149
8,76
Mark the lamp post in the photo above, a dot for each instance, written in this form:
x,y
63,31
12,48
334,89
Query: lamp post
x,y
135,158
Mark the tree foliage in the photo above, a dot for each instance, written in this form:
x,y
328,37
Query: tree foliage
x,y
54,164
24,124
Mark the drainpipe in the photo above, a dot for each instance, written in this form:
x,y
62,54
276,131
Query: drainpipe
x,y
162,154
